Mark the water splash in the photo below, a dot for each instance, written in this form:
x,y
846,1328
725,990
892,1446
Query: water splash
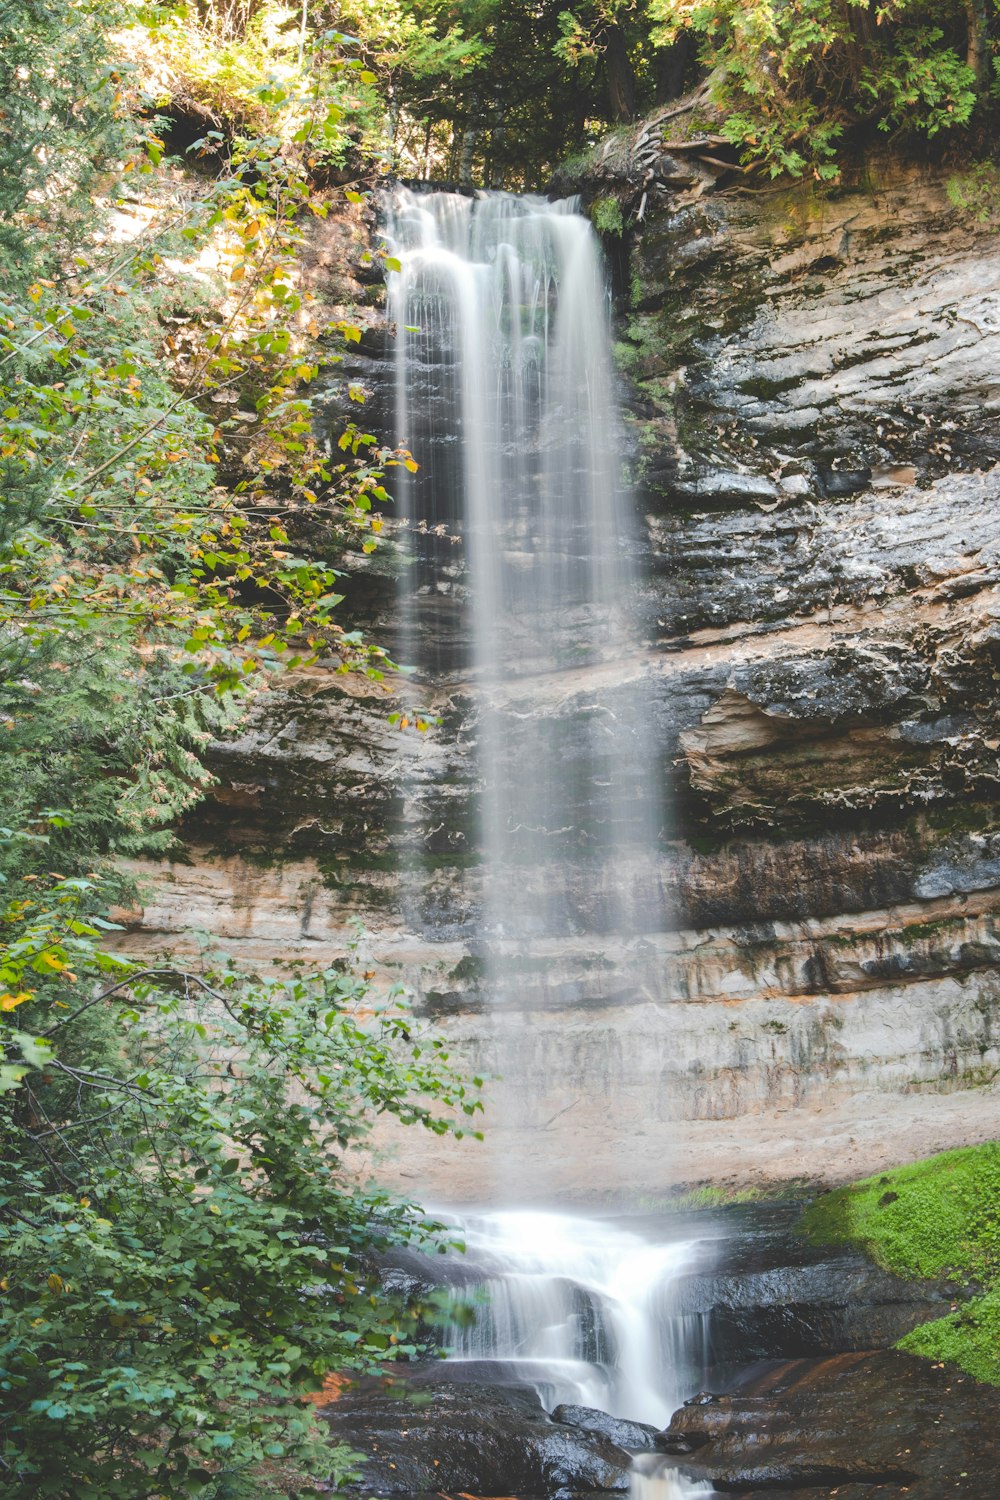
x,y
654,1478
580,1308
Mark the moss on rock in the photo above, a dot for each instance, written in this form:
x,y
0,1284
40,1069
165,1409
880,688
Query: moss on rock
x,y
933,1218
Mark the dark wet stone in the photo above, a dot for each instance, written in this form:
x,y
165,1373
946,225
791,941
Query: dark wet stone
x,y
590,1419
482,1439
857,1424
770,1294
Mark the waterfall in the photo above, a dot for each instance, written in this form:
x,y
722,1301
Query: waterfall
x,y
578,1307
504,392
505,396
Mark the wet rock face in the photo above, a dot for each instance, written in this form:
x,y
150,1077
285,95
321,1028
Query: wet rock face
x,y
812,387
482,1439
861,1426
630,1435
769,1294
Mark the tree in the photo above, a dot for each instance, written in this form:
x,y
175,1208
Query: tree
x,y
184,1251
793,76
185,1254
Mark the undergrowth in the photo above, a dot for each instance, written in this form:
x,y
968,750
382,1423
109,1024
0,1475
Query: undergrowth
x,y
933,1218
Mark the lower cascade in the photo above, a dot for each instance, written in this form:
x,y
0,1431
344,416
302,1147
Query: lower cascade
x,y
653,1480
582,1310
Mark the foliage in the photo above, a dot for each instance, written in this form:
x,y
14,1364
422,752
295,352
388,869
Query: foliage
x,y
421,55
793,76
606,216
500,93
939,1217
969,1338
976,193
184,1250
61,125
184,1254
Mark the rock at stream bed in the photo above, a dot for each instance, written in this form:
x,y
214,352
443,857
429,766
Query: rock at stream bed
x,y
858,1425
617,1429
481,1439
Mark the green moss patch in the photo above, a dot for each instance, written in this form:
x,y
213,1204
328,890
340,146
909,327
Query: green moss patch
x,y
939,1217
969,1338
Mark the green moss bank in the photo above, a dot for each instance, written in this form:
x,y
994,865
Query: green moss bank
x,y
939,1217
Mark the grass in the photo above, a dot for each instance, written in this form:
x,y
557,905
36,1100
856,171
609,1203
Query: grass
x,y
934,1218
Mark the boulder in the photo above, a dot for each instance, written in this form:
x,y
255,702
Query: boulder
x,y
631,1435
482,1439
856,1425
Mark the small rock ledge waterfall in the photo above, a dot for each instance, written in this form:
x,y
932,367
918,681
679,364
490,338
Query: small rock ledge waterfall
x,y
504,394
581,1308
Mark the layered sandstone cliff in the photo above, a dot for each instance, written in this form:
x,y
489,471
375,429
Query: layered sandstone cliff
x,y
813,386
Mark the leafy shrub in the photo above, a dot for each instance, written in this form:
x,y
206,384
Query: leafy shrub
x,y
606,216
793,77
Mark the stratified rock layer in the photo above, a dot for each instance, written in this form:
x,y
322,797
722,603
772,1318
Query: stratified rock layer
x,y
813,385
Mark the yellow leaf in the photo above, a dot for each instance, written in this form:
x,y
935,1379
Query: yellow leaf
x,y
411,464
11,1002
55,1283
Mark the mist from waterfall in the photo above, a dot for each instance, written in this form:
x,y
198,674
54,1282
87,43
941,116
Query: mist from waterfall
x,y
504,392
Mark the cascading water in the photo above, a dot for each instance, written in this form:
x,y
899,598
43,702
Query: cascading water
x,y
580,1308
504,391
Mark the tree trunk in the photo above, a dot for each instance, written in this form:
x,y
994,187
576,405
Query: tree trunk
x,y
470,135
978,54
494,175
672,67
620,76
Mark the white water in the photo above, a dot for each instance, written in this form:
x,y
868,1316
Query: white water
x,y
579,1307
505,396
652,1478
504,392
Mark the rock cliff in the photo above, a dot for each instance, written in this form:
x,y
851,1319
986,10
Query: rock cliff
x,y
812,383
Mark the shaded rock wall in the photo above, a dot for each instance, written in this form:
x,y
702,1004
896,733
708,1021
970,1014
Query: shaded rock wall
x,y
812,384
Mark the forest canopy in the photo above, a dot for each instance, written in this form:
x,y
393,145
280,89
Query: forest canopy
x,y
499,93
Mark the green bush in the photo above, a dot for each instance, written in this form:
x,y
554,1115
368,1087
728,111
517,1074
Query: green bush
x,y
793,76
606,216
